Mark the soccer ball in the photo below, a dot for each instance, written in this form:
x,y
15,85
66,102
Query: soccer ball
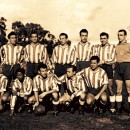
x,y
39,110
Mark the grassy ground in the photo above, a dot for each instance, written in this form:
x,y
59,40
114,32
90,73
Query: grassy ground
x,y
64,121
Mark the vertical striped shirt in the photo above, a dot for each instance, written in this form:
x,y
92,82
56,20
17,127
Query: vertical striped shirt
x,y
63,55
73,85
36,53
84,51
106,53
44,85
3,83
23,88
11,54
94,78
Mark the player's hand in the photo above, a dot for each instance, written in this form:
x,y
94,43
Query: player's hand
x,y
97,97
72,97
50,66
21,94
18,93
35,105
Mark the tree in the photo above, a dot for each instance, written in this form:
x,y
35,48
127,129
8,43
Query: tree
x,y
3,30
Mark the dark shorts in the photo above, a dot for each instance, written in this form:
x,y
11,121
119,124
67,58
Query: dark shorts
x,y
60,69
10,70
122,71
82,65
93,91
108,69
32,69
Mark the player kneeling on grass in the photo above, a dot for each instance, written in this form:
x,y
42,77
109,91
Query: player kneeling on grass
x,y
44,87
75,90
21,90
3,86
96,80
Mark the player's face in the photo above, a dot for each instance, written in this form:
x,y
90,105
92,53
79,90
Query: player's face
x,y
70,72
84,37
20,76
63,39
104,39
34,38
43,72
94,64
13,39
121,36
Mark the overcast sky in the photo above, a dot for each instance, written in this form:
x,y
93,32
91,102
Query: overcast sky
x,y
70,16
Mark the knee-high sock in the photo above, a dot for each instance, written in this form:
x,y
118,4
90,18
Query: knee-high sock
x,y
119,101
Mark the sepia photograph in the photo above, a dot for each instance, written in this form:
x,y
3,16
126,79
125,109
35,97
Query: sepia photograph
x,y
64,65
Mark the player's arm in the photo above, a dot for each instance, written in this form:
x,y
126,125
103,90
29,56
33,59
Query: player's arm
x,y
104,86
35,89
29,87
54,88
42,95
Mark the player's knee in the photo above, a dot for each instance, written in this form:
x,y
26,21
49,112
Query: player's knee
x,y
60,100
5,98
89,100
1,107
82,96
104,97
55,95
30,101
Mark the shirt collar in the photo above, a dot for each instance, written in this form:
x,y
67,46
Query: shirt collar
x,y
123,42
107,44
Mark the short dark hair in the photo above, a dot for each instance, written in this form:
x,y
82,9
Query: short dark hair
x,y
83,31
10,34
123,30
20,70
33,32
44,66
104,34
95,58
63,34
74,68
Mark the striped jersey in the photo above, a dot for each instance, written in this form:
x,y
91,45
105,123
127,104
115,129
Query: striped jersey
x,y
63,55
36,53
3,83
74,85
44,85
84,51
11,54
24,88
106,53
123,52
94,78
